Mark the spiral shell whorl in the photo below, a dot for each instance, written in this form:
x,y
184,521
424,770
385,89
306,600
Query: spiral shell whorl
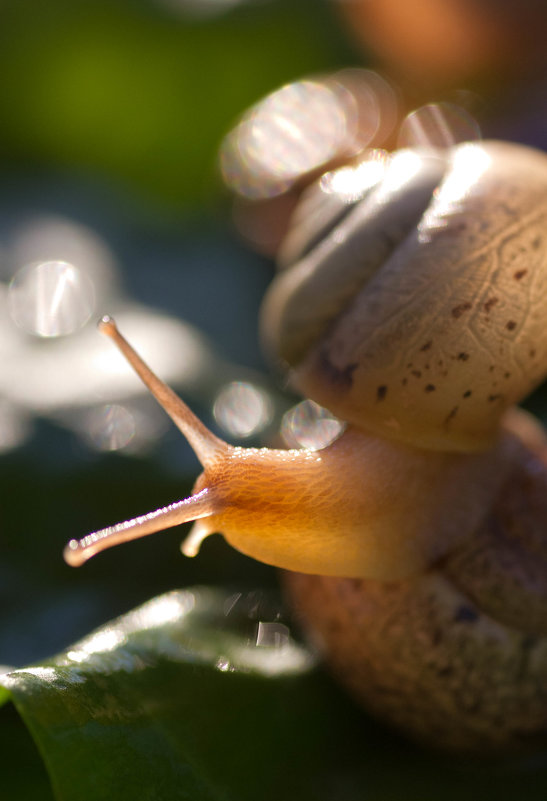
x,y
446,331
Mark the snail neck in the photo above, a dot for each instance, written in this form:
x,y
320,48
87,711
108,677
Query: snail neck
x,y
362,507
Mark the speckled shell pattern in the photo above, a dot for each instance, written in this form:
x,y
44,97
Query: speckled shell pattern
x,y
457,657
418,312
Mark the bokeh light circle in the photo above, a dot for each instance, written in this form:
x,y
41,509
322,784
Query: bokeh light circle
x,y
438,125
308,425
51,299
242,409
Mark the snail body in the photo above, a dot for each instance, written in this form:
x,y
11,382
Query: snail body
x,y
416,313
455,657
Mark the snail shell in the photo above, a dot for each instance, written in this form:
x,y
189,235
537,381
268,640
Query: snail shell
x,y
423,314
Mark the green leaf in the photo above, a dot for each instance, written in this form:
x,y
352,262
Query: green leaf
x,y
4,696
168,703
204,696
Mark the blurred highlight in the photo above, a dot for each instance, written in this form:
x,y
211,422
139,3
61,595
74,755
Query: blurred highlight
x,y
61,275
169,608
467,166
48,237
110,427
308,425
438,125
243,409
302,127
102,642
291,132
334,132
51,299
351,183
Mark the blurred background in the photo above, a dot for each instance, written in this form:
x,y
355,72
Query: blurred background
x,y
111,200
132,183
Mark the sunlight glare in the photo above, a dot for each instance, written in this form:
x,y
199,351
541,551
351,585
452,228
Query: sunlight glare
x,y
468,164
289,133
352,183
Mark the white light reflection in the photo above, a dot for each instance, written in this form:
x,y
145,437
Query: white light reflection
x,y
165,609
272,635
46,674
351,183
58,677
468,163
289,133
308,425
110,427
100,643
274,661
401,168
224,665
242,409
437,125
51,299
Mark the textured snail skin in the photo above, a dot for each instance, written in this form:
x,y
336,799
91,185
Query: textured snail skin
x,y
456,656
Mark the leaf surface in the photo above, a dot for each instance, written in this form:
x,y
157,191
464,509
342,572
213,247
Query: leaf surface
x,y
204,695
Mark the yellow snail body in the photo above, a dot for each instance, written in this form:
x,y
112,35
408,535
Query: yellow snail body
x,y
415,541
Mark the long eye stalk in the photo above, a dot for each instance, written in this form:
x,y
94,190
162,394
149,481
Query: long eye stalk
x,y
196,506
206,445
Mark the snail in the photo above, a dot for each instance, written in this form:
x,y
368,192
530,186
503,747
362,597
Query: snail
x,y
414,308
